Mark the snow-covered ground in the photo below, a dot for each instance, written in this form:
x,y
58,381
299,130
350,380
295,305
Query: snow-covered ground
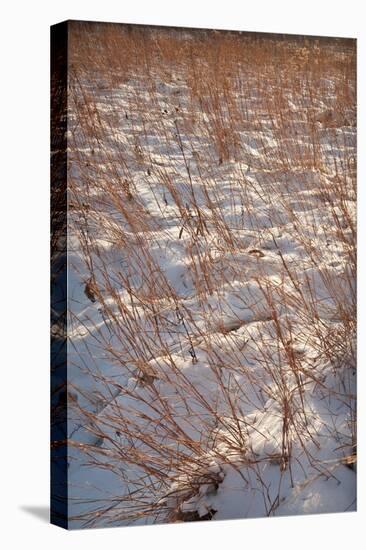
x,y
211,276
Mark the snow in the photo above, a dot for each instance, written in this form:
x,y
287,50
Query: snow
x,y
215,370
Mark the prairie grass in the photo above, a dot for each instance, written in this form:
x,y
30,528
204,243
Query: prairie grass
x,y
212,230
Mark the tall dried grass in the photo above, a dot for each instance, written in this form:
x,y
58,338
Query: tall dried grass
x,y
227,91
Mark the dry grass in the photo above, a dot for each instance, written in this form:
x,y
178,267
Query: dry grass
x,y
231,93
